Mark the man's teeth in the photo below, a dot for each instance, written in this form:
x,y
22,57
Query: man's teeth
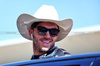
x,y
45,41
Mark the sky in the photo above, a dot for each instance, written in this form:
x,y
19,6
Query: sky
x,y
84,13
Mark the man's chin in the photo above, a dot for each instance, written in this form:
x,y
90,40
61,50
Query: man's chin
x,y
45,49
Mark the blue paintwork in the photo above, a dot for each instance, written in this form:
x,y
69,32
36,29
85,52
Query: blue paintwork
x,y
87,59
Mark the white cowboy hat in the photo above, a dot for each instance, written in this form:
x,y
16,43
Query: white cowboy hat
x,y
44,13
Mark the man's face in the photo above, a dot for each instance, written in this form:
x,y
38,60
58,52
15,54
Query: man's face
x,y
43,43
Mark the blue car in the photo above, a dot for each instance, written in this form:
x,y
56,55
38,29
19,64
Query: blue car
x,y
87,59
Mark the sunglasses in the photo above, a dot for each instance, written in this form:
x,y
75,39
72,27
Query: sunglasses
x,y
43,30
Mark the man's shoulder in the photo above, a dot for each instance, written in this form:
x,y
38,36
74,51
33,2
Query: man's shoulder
x,y
61,52
57,52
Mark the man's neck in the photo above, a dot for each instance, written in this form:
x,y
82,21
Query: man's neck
x,y
39,53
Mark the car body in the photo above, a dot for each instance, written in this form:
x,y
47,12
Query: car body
x,y
86,59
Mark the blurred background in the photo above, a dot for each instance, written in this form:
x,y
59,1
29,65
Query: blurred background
x,y
84,37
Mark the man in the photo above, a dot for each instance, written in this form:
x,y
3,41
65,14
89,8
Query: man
x,y
44,29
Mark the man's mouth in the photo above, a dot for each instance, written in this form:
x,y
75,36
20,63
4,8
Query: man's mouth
x,y
46,42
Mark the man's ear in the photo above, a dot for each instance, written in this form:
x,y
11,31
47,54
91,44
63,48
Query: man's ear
x,y
30,33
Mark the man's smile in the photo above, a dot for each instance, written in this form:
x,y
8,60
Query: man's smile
x,y
46,42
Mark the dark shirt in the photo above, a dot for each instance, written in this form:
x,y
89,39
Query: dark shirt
x,y
56,52
36,56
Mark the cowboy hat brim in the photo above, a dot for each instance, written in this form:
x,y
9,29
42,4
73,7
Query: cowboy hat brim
x,y
25,21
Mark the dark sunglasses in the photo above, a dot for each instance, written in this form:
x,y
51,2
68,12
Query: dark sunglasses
x,y
43,30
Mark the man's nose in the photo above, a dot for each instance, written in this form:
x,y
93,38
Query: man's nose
x,y
47,35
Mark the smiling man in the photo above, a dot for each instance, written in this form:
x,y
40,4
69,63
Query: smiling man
x,y
44,29
45,34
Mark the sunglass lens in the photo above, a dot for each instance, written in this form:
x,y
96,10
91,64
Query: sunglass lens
x,y
42,30
54,32
42,33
